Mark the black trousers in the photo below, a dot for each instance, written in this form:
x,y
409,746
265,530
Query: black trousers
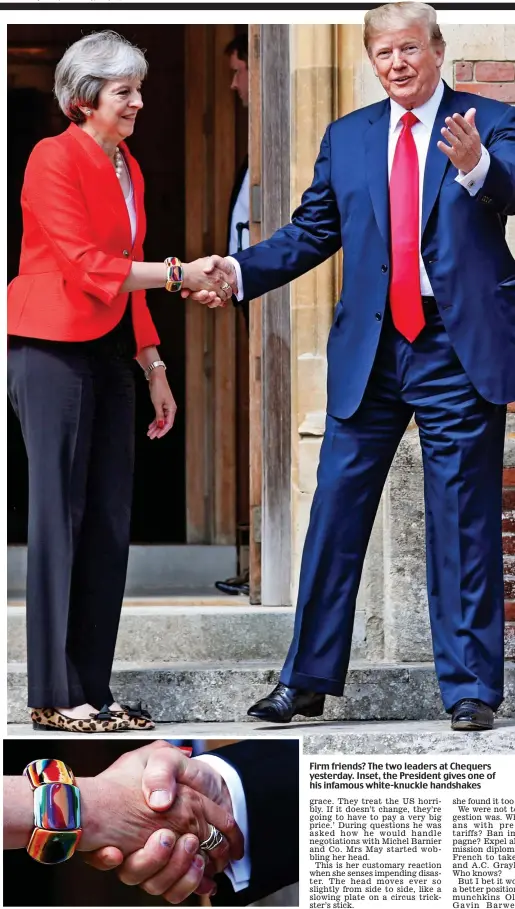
x,y
76,411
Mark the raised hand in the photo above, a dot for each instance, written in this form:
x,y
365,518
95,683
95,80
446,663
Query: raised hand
x,y
464,149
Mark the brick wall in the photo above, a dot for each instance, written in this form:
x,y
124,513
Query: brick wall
x,y
496,79
489,78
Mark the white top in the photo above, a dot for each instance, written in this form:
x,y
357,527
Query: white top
x,y
421,133
240,212
130,203
426,113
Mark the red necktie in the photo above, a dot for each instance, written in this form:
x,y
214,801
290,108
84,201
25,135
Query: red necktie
x,y
405,296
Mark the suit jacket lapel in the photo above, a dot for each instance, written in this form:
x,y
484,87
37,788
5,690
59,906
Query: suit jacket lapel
x,y
376,150
436,161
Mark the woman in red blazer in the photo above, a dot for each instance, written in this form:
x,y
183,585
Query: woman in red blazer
x,y
77,317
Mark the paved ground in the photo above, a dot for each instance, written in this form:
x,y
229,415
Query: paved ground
x,y
405,737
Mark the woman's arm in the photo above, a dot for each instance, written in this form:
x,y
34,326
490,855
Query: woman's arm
x,y
160,394
18,812
114,811
148,355
149,275
52,195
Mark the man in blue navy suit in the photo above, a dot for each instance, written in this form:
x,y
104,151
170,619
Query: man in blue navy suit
x,y
416,189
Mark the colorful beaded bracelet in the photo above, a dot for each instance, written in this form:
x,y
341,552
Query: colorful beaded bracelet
x,y
174,274
56,812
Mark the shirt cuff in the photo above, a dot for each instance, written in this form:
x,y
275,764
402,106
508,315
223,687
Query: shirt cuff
x,y
238,871
237,268
473,181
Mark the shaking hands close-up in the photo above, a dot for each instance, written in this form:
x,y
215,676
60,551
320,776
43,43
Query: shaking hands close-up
x,y
167,823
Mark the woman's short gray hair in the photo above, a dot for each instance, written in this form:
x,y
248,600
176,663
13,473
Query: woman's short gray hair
x,y
395,15
91,62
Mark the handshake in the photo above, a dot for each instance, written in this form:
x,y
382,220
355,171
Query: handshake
x,y
211,280
163,820
148,815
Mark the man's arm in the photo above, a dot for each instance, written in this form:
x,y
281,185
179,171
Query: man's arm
x,y
309,239
269,773
498,190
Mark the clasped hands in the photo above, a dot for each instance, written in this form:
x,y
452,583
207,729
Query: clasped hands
x,y
147,815
211,280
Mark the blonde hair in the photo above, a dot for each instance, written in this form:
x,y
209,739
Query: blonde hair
x,y
391,15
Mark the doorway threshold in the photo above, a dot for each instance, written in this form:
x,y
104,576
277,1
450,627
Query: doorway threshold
x,y
187,597
153,571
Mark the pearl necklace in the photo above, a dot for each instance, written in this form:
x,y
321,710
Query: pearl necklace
x,y
118,163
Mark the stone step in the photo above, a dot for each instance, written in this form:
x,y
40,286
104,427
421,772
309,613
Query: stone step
x,y
185,629
394,737
430,737
193,628
152,570
205,692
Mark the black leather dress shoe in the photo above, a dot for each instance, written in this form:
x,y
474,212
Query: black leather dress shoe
x,y
283,703
235,586
471,715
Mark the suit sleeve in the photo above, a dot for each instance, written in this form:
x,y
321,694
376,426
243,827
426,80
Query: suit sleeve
x,y
269,771
498,190
51,191
312,236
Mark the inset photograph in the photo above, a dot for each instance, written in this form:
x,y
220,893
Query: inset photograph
x,y
200,822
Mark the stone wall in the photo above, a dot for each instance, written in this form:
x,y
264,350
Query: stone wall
x,y
331,75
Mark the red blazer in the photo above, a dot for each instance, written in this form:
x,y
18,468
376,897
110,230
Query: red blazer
x,y
77,249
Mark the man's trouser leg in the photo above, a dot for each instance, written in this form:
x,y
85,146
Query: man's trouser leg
x,y
355,458
462,439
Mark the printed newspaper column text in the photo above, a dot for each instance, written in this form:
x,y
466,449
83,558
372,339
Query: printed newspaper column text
x,y
369,847
484,853
408,829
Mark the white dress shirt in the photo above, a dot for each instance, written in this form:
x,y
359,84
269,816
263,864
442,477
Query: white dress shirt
x,y
238,871
421,132
426,114
240,213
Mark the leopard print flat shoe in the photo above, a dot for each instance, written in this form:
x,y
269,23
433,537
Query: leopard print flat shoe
x,y
136,717
46,719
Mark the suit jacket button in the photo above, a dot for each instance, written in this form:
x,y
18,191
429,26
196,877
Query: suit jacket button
x,y
378,316
126,253
384,269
